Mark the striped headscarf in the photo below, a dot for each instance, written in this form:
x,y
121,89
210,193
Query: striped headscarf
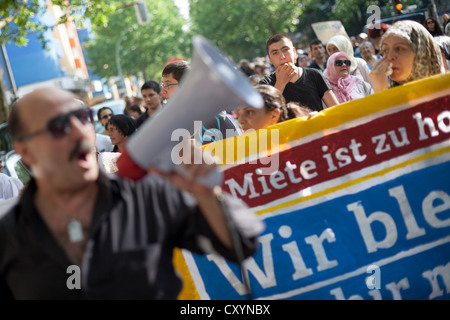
x,y
427,60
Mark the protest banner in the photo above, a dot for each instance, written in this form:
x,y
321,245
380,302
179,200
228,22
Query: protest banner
x,y
326,29
356,202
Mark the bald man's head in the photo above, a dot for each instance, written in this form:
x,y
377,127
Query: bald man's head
x,y
25,112
54,134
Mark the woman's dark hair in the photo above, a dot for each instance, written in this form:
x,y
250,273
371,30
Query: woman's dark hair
x,y
294,110
124,123
376,32
177,69
437,27
273,99
136,108
151,85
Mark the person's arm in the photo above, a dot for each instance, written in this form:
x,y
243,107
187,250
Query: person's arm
x,y
329,98
5,292
284,74
207,200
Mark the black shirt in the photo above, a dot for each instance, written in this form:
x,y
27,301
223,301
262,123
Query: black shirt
x,y
315,65
134,229
141,119
307,91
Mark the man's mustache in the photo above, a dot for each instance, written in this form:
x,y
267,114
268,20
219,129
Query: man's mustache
x,y
82,146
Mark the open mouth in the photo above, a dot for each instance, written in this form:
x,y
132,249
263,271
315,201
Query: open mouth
x,y
82,156
80,152
82,160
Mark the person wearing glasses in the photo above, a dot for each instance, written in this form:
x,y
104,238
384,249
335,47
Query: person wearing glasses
x,y
433,27
220,127
171,77
103,115
151,91
345,86
78,233
305,86
359,67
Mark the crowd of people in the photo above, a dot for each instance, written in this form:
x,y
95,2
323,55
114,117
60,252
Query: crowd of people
x,y
341,70
123,232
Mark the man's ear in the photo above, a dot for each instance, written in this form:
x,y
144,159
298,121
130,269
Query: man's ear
x,y
270,60
295,54
276,115
23,150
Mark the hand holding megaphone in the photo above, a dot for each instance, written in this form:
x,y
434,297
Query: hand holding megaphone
x,y
194,171
212,85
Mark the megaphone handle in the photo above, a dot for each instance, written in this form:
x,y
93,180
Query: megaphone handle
x,y
212,179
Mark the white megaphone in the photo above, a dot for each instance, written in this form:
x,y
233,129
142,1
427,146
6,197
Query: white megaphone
x,y
210,86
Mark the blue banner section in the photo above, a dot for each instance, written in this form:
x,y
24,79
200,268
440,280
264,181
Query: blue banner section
x,y
391,241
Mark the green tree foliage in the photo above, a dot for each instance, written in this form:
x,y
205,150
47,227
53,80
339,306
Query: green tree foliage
x,y
241,28
17,17
355,21
144,48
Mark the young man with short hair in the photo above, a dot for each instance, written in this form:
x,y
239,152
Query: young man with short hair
x,y
318,52
150,91
304,86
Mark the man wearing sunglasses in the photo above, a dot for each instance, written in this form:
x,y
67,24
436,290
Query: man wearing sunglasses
x,y
77,233
103,115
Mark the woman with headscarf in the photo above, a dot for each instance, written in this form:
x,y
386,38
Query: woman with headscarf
x,y
409,54
358,68
444,44
345,86
368,54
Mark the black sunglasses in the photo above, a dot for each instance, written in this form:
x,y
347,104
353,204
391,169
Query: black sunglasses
x,y
339,63
59,126
107,116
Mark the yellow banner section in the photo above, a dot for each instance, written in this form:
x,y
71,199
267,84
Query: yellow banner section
x,y
237,148
189,292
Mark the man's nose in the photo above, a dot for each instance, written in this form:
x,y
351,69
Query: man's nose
x,y
77,127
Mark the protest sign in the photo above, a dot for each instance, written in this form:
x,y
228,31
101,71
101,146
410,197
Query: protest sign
x,y
356,202
327,29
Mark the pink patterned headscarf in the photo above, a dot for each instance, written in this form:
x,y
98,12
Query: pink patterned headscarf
x,y
345,89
